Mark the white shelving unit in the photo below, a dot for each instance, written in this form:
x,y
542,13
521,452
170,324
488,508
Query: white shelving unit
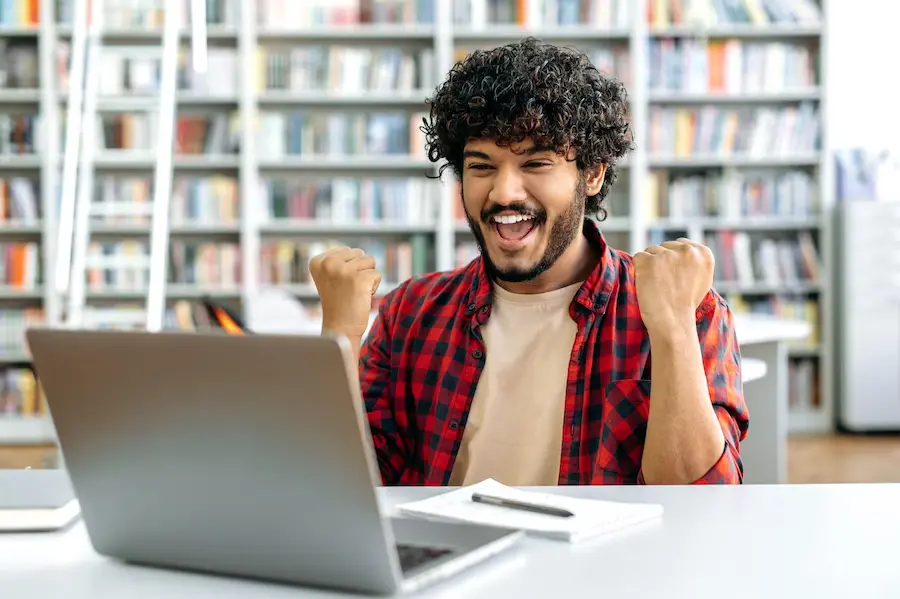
x,y
629,226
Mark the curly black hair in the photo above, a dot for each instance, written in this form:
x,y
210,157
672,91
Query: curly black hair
x,y
529,89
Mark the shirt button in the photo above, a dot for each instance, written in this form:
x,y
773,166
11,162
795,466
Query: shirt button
x,y
484,309
471,307
454,424
477,354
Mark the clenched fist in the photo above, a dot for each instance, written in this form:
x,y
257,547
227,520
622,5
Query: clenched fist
x,y
346,280
672,279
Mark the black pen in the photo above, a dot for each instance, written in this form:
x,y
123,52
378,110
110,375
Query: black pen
x,y
521,505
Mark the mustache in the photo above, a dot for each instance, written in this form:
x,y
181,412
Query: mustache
x,y
518,208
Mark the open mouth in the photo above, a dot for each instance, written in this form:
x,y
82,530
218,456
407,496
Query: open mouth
x,y
514,229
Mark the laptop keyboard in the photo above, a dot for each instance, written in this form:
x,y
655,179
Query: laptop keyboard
x,y
413,556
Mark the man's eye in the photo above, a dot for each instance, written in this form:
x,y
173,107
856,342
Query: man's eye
x,y
479,167
536,164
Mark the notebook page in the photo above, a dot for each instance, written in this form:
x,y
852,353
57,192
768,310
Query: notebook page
x,y
591,517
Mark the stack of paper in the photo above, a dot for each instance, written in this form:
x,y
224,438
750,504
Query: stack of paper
x,y
591,517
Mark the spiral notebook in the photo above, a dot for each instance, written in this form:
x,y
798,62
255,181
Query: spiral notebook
x,y
590,517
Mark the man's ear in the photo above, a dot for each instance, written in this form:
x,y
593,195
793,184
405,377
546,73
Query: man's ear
x,y
593,179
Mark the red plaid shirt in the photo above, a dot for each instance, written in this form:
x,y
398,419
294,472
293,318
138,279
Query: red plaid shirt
x,y
420,364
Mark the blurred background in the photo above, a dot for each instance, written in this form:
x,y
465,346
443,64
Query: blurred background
x,y
765,128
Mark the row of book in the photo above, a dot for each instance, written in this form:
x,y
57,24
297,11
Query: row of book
x,y
729,66
676,65
127,200
682,65
137,70
282,14
308,14
704,13
206,264
803,374
20,134
20,264
20,13
749,259
185,315
21,394
286,262
214,133
732,194
344,69
18,64
117,265
311,13
466,252
611,60
144,14
13,322
179,314
347,70
348,200
802,308
329,133
718,131
214,200
122,265
601,14
20,200
804,388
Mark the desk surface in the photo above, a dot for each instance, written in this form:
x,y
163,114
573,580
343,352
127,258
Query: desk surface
x,y
713,542
755,328
752,369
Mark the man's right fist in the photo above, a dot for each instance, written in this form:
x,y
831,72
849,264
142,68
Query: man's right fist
x,y
346,280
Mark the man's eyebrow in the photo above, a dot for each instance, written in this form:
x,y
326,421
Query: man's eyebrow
x,y
475,154
538,150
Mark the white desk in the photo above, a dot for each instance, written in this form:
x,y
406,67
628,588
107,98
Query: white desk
x,y
753,370
753,329
714,542
762,338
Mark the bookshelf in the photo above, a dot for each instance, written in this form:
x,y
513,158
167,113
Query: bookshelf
x,y
304,133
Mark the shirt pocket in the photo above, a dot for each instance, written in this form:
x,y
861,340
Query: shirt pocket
x,y
625,412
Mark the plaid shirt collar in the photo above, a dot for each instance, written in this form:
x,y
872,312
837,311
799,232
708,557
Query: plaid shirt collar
x,y
592,296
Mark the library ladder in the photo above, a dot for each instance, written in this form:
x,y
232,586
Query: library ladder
x,y
77,208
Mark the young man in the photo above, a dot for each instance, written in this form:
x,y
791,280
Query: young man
x,y
552,358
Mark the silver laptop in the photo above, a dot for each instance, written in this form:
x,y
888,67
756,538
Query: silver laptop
x,y
238,455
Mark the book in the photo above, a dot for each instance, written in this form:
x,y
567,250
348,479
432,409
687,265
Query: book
x,y
591,517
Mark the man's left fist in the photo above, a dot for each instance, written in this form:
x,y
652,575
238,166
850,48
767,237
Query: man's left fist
x,y
672,279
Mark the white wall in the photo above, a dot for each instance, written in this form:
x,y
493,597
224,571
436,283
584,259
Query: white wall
x,y
863,110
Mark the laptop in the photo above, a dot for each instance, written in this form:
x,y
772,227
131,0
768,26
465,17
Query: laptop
x,y
242,455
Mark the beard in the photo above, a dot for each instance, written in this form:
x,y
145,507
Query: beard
x,y
565,229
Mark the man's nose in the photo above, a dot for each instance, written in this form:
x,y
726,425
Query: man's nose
x,y
507,188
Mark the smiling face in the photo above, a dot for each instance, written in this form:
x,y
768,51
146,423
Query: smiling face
x,y
525,206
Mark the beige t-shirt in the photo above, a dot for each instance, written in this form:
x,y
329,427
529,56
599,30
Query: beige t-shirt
x,y
514,430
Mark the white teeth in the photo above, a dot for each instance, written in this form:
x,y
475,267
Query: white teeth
x,y
508,219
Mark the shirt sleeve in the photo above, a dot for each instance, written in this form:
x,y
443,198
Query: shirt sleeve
x,y
375,372
722,363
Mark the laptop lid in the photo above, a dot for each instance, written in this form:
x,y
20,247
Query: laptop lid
x,y
246,454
